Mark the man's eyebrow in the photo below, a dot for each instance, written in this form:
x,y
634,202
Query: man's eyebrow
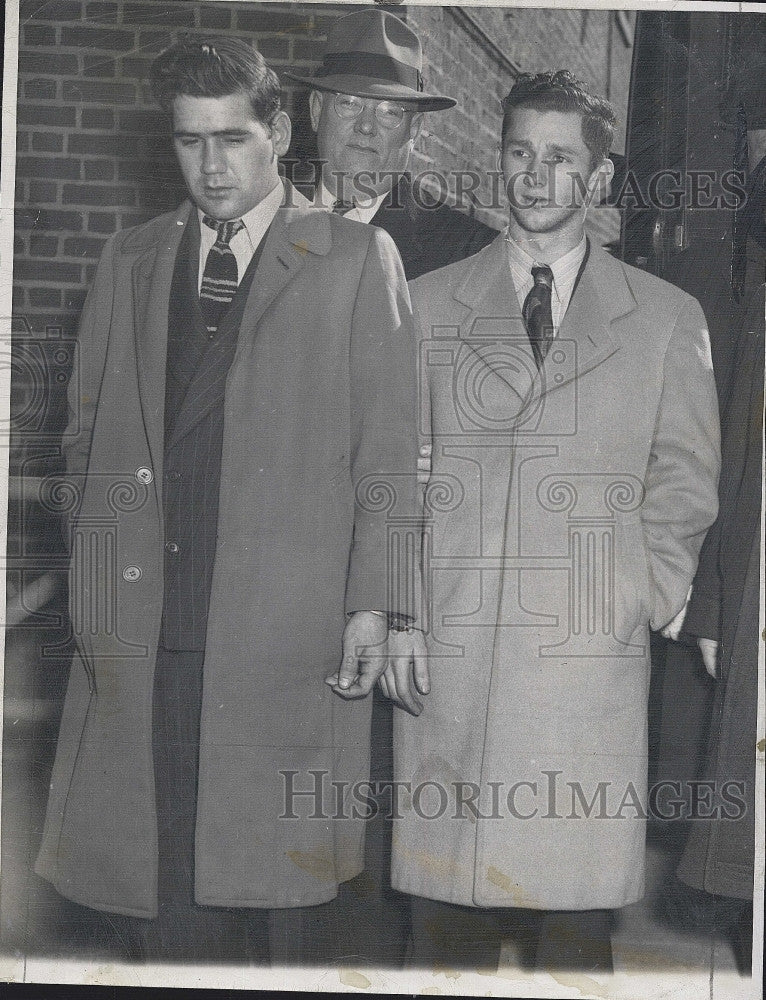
x,y
554,147
179,132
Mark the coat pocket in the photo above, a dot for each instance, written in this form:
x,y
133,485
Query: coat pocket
x,y
632,592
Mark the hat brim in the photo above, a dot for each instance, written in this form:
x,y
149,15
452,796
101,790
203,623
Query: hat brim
x,y
379,90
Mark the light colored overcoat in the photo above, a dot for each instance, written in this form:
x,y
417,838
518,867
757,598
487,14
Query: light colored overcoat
x,y
319,405
565,513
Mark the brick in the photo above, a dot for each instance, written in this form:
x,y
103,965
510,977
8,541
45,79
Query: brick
x,y
53,10
136,67
48,271
47,142
90,273
142,13
274,48
51,220
42,166
42,191
98,66
106,13
43,246
96,194
38,34
97,118
31,115
74,298
259,21
214,17
102,222
307,51
82,246
18,245
45,298
98,170
141,170
41,90
22,142
102,93
97,144
47,63
109,39
18,299
144,122
153,41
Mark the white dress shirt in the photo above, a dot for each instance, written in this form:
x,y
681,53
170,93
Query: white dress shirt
x,y
363,211
565,270
244,244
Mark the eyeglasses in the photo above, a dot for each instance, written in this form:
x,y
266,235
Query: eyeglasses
x,y
348,107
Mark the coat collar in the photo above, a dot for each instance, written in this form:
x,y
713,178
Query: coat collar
x,y
587,335
297,231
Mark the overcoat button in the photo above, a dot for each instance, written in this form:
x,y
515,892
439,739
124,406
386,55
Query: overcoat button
x,y
144,475
131,574
172,547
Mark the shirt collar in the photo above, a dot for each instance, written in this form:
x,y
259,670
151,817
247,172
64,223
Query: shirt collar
x,y
563,267
364,208
259,218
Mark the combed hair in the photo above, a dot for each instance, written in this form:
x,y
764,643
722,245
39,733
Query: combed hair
x,y
561,91
216,67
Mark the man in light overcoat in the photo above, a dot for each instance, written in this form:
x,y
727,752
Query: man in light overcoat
x,y
571,406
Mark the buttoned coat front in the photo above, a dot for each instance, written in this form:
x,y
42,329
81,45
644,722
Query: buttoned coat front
x,y
319,408
564,515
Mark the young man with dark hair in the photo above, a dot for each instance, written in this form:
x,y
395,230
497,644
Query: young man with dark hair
x,y
572,411
247,373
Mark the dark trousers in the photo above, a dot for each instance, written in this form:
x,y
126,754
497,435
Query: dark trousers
x,y
450,936
185,931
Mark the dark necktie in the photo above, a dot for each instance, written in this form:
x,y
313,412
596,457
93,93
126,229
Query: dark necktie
x,y
537,314
220,277
340,207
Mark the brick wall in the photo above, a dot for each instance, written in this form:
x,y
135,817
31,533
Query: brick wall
x,y
93,155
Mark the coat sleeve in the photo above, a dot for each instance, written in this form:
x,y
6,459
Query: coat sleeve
x,y
85,385
382,572
681,499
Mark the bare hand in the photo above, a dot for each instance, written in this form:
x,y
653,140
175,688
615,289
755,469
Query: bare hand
x,y
673,629
406,675
709,650
364,655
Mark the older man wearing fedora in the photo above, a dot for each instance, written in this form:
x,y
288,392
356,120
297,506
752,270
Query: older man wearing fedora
x,y
366,105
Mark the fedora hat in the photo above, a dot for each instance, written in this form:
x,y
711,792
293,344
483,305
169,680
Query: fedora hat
x,y
372,53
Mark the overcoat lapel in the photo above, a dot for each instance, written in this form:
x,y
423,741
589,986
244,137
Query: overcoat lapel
x,y
152,280
493,326
281,259
602,296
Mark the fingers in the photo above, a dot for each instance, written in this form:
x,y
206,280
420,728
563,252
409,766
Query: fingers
x,y
709,650
404,694
422,677
383,684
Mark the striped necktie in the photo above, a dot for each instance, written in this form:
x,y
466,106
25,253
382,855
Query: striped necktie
x,y
538,317
220,277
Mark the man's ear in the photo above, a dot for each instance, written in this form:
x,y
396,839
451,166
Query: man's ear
x,y
598,182
418,119
281,130
315,108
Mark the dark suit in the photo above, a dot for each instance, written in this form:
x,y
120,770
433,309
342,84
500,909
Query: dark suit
x,y
428,238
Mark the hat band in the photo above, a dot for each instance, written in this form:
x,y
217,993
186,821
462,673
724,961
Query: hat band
x,y
371,64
